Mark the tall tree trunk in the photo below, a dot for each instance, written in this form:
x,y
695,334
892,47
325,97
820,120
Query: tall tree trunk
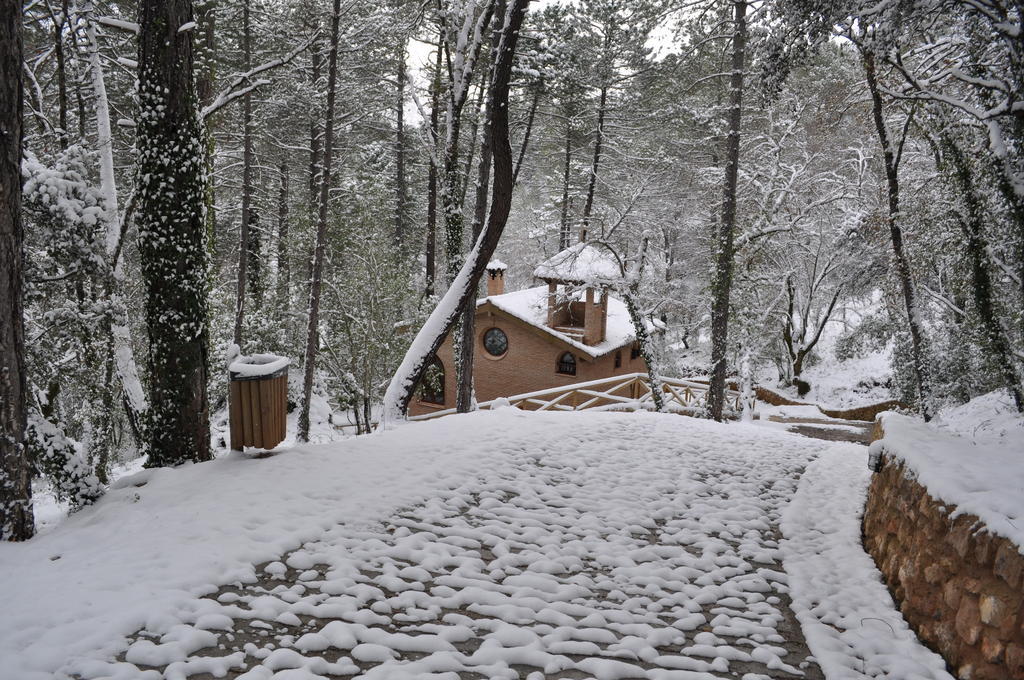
x,y
172,251
444,317
120,331
896,234
284,271
467,342
588,205
981,288
538,88
312,329
243,241
478,111
315,155
62,77
431,245
206,17
401,185
564,234
16,519
724,246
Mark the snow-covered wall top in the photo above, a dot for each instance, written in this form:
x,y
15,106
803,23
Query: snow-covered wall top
x,y
987,481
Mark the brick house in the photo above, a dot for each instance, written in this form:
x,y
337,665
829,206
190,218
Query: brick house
x,y
567,331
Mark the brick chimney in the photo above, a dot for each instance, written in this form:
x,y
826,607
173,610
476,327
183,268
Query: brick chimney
x,y
496,277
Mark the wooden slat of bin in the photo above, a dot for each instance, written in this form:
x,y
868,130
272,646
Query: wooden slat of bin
x,y
245,414
282,407
252,435
266,414
235,416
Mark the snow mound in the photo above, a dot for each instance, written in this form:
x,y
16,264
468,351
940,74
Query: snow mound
x,y
988,419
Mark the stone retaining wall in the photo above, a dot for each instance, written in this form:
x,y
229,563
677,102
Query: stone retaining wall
x,y
958,586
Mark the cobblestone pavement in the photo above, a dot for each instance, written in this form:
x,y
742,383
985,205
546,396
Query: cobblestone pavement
x,y
623,554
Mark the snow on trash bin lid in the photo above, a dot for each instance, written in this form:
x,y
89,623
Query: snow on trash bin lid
x,y
256,366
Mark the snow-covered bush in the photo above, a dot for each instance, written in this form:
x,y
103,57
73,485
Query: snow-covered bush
x,y
59,459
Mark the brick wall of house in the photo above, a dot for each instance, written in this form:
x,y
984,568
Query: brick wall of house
x,y
958,586
527,366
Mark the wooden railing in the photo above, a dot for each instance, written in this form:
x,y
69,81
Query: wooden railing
x,y
630,392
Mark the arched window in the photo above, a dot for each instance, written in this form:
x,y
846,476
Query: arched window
x,y
432,385
566,364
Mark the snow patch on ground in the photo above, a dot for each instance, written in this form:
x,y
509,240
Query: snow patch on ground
x,y
848,617
987,419
984,480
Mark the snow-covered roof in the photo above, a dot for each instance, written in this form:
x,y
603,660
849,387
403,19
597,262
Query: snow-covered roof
x,y
581,263
531,306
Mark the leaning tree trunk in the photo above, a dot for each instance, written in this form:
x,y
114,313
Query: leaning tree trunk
x,y
247,153
441,321
312,329
896,234
16,519
724,246
172,243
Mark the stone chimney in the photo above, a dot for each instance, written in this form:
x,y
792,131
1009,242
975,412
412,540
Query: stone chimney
x,y
496,277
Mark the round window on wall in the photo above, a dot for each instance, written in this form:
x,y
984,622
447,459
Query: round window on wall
x,y
495,342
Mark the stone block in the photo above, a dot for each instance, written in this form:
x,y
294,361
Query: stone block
x,y
935,573
983,549
1008,564
991,647
972,585
1015,657
968,620
959,538
951,594
993,610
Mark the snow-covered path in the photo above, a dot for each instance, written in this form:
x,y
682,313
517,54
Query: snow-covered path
x,y
580,546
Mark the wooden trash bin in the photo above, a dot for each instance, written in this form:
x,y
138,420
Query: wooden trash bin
x,y
258,401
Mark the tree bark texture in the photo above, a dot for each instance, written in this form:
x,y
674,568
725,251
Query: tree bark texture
x,y
724,246
564,233
16,518
316,280
172,243
401,185
903,271
538,89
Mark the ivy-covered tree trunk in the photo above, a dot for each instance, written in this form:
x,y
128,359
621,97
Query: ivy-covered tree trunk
x,y
724,246
172,242
981,282
16,519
